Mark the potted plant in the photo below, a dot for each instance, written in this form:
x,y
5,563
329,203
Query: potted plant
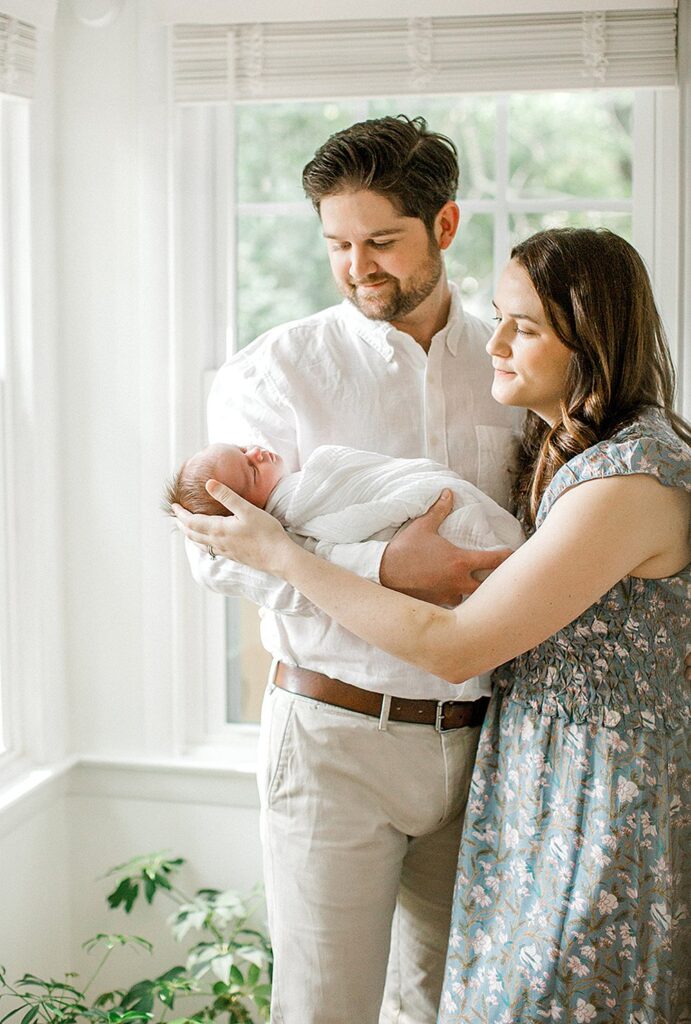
x,y
226,971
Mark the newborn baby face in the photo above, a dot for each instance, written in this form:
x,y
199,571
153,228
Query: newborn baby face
x,y
251,472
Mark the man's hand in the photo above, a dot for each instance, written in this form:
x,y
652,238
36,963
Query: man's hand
x,y
250,535
420,563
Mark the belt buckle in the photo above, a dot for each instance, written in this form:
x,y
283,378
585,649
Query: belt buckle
x,y
439,718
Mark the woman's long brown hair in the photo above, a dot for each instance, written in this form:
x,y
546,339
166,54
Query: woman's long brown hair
x,y
597,296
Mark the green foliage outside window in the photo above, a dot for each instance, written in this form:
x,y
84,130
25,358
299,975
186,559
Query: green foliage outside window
x,y
570,146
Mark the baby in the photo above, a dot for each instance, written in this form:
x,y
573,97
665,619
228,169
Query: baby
x,y
253,473
344,495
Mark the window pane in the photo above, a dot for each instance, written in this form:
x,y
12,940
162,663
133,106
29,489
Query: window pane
x,y
570,144
247,662
469,121
275,141
283,271
296,130
525,224
469,262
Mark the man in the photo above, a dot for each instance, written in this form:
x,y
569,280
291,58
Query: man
x,y
363,792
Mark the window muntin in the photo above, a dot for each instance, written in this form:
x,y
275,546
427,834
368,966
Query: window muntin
x,y
527,161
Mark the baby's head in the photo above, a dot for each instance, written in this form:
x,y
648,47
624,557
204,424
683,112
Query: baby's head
x,y
250,472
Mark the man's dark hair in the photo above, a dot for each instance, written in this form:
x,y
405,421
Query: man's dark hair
x,y
398,157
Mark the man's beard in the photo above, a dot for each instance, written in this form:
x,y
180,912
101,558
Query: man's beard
x,y
395,301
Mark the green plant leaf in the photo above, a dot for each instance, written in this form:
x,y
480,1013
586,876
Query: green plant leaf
x,y
30,980
230,951
168,989
7,1016
254,955
140,998
214,956
109,940
210,910
149,862
150,871
108,997
173,974
126,892
129,1017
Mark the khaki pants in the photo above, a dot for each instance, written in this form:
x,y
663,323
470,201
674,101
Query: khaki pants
x,y
360,830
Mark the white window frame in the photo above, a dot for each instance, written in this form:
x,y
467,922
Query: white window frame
x,y
31,581
202,661
15,387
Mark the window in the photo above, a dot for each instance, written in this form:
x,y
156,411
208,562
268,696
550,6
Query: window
x,y
598,144
14,338
528,160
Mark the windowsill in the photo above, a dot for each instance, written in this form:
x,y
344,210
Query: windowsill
x,y
232,746
207,776
171,780
31,791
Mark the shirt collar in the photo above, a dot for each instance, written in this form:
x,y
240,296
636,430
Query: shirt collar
x,y
374,332
453,330
378,333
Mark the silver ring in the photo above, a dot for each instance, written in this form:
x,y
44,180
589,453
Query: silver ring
x,y
212,553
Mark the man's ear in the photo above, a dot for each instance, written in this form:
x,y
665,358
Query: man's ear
x,y
446,224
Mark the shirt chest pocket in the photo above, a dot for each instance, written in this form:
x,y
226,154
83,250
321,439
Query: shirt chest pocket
x,y
496,453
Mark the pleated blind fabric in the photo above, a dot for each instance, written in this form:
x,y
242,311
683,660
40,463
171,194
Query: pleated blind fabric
x,y
17,56
484,53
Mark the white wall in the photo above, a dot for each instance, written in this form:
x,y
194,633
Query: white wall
x,y
209,817
56,846
35,894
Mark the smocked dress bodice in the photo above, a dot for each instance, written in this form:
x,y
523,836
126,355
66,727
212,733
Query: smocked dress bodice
x,y
605,666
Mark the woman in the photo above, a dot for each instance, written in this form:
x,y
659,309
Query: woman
x,y
568,904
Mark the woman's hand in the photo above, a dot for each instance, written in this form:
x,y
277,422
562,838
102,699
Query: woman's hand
x,y
249,535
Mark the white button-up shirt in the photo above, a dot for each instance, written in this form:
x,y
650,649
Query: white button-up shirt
x,y
339,378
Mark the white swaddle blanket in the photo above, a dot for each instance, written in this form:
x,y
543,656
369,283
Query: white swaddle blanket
x,y
344,495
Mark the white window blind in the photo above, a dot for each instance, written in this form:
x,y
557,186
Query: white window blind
x,y
485,53
17,56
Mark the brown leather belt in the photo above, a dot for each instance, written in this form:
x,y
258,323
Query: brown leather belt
x,y
443,715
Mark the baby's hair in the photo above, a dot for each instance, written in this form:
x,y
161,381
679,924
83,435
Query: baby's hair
x,y
187,488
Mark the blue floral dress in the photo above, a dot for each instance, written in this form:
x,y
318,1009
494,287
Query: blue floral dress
x,y
570,903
